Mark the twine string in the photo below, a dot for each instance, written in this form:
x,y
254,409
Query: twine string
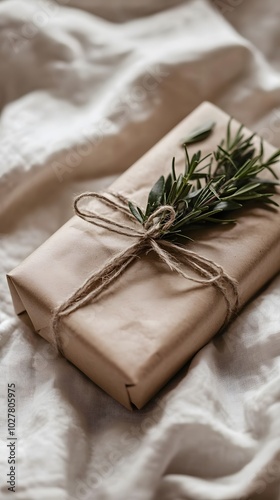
x,y
148,238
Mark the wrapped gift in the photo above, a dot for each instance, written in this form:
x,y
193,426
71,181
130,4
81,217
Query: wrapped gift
x,y
133,337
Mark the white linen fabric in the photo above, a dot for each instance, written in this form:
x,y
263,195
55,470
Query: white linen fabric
x,y
86,87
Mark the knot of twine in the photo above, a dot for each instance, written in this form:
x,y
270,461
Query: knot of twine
x,y
147,238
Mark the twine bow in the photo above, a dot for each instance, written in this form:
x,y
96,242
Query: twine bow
x,y
147,238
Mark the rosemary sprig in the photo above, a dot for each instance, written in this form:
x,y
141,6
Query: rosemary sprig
x,y
210,186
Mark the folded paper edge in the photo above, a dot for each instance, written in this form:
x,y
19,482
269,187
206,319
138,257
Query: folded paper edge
x,y
17,301
22,313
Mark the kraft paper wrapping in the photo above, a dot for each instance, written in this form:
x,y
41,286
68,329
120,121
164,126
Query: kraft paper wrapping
x,y
142,330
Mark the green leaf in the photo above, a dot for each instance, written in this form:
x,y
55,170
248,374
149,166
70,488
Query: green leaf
x,y
227,205
185,191
211,187
172,195
136,211
215,220
173,170
228,157
199,176
228,138
186,219
187,161
168,185
246,188
269,182
199,133
255,196
155,195
142,215
271,202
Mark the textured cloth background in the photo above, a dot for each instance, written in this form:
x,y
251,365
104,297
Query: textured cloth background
x,y
86,87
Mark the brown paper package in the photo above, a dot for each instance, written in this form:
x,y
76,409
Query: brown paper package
x,y
142,330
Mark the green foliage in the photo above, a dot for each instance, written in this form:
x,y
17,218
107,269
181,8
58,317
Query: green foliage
x,y
213,185
199,133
